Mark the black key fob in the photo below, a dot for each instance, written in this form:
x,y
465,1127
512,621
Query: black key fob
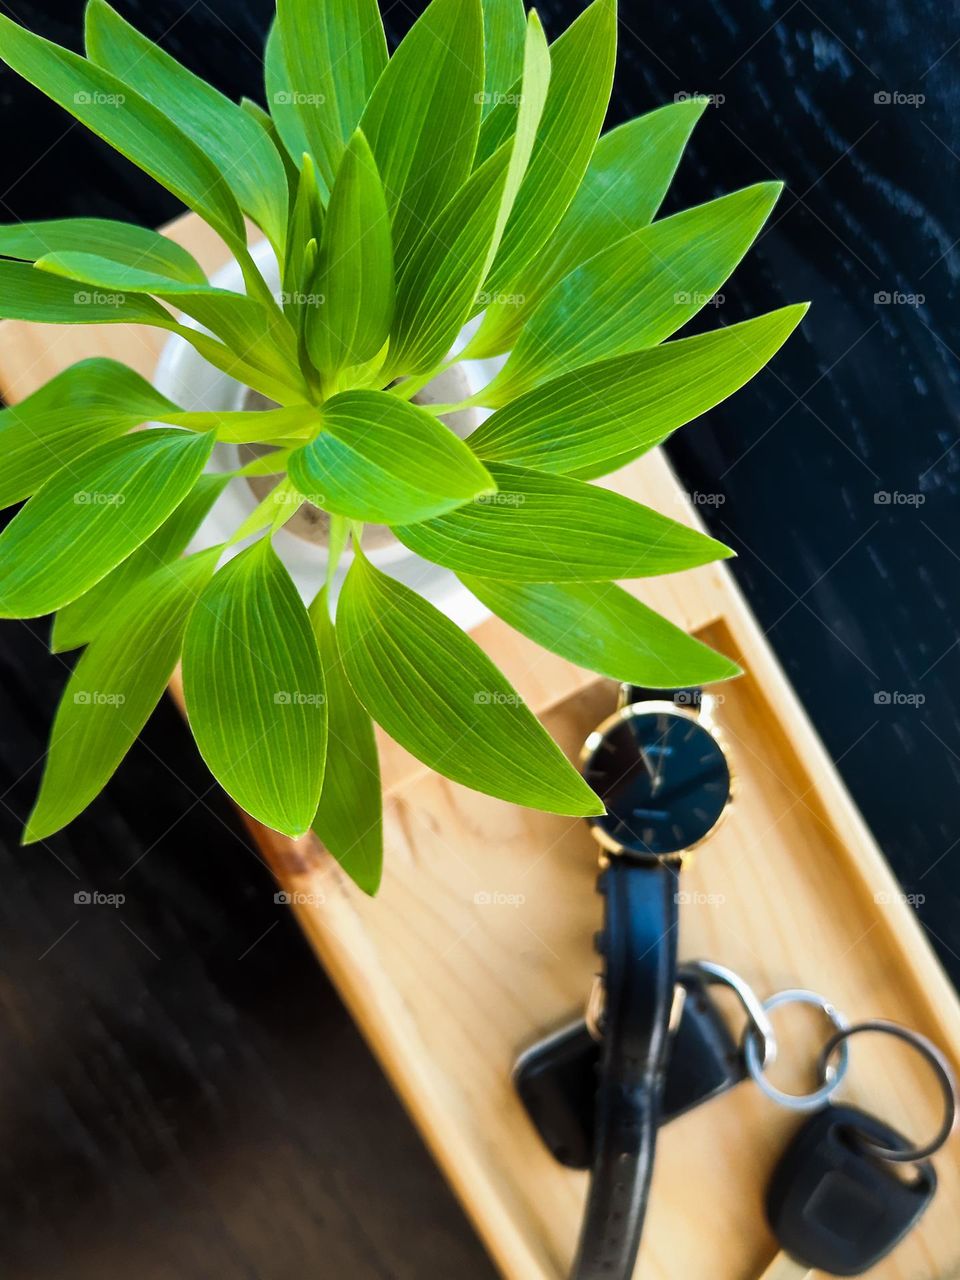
x,y
832,1205
557,1078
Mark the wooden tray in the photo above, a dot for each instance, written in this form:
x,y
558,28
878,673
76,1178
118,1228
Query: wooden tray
x,y
481,939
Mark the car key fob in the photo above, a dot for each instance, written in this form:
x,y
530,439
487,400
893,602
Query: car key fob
x,y
557,1078
832,1205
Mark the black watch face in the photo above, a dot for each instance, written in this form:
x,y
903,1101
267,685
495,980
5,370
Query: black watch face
x,y
664,779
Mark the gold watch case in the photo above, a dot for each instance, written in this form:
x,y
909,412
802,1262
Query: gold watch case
x,y
706,717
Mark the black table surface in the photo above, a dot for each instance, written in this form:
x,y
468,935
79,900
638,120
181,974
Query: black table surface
x,y
183,1094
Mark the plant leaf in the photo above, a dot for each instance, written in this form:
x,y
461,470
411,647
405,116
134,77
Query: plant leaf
x,y
113,689
438,694
122,242
535,85
333,55
255,333
86,405
306,224
41,298
269,126
349,818
542,528
504,32
355,269
601,627
78,622
244,155
250,426
637,292
136,128
594,420
254,690
280,98
93,514
628,175
381,460
437,288
580,81
423,117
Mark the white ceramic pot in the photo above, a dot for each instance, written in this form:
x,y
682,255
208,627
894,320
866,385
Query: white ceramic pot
x,y
186,378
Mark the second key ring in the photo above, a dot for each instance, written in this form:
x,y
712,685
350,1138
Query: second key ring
x,y
935,1059
831,1075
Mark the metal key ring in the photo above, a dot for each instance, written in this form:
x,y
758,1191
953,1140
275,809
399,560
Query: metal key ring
x,y
831,1075
758,1023
941,1067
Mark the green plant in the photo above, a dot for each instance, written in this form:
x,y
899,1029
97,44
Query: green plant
x,y
402,197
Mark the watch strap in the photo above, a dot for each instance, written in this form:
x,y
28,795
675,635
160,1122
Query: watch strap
x,y
688,697
639,948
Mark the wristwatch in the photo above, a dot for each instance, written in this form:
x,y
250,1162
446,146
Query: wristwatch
x,y
661,769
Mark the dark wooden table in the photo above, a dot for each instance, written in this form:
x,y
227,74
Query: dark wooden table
x,y
183,1094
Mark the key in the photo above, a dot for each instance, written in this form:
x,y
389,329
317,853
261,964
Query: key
x,y
836,1208
556,1079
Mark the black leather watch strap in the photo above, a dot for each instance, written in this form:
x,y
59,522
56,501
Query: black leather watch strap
x,y
639,946
689,697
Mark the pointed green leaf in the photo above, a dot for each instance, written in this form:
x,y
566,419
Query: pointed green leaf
x,y
535,84
113,689
93,514
349,818
78,622
438,694
254,332
594,420
381,460
601,627
542,528
254,690
423,118
333,55
86,405
244,155
121,242
269,126
306,224
437,288
41,298
580,81
128,122
250,426
281,99
355,268
629,173
504,32
637,292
